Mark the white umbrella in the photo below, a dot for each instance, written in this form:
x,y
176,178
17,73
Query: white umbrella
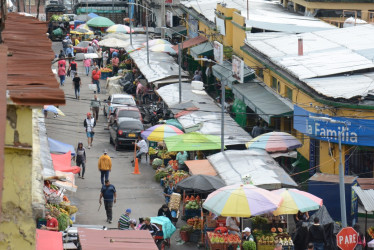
x,y
114,43
120,36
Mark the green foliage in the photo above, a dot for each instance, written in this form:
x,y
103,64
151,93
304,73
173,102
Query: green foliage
x,y
249,245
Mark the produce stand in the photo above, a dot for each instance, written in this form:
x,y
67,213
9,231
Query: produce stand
x,y
217,241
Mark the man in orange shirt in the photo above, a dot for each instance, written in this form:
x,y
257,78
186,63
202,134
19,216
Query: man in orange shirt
x,y
115,63
96,75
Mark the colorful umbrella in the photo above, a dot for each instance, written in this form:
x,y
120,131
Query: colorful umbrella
x,y
166,48
160,132
242,201
295,200
81,31
83,26
118,36
192,142
275,142
175,123
53,109
100,22
114,43
155,42
201,183
119,28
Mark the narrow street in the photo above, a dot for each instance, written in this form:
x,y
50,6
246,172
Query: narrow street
x,y
139,192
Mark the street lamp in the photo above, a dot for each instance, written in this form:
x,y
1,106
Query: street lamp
x,y
222,101
343,212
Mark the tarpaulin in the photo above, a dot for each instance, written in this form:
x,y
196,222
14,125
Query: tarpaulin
x,y
68,183
63,163
48,240
60,147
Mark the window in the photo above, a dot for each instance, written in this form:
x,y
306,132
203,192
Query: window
x,y
289,93
275,84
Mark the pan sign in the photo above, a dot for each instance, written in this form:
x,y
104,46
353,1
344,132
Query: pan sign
x,y
347,238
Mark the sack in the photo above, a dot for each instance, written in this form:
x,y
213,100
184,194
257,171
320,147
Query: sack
x,y
92,87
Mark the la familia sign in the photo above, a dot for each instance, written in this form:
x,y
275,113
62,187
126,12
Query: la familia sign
x,y
322,127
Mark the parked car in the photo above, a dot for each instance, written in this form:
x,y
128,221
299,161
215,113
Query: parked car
x,y
124,131
81,47
131,112
117,100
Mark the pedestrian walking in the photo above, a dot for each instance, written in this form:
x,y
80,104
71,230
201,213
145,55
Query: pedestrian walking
x,y
87,65
95,107
80,160
73,66
317,235
70,51
90,123
77,83
96,75
90,49
124,220
109,193
105,58
65,44
168,191
115,63
100,56
61,70
105,166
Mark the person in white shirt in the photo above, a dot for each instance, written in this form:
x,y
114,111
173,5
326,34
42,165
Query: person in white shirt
x,y
142,147
89,123
232,224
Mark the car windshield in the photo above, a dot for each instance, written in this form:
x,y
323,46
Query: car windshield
x,y
131,125
129,113
124,100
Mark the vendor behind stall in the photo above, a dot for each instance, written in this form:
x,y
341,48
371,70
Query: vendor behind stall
x,y
181,158
247,235
232,224
52,223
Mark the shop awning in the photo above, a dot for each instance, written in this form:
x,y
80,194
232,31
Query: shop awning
x,y
91,239
204,49
254,166
48,240
63,163
176,31
60,147
261,100
200,167
191,42
366,197
224,73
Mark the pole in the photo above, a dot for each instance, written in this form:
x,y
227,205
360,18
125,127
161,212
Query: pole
x,y
247,9
180,71
113,10
29,6
341,182
130,24
163,18
130,17
222,116
146,22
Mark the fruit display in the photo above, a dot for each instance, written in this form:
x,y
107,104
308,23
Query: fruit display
x,y
157,162
196,223
105,70
179,175
160,174
371,232
152,151
227,239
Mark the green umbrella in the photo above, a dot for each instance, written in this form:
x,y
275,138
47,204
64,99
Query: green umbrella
x,y
100,22
175,123
192,142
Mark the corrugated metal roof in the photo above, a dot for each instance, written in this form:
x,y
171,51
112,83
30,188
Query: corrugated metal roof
x,y
366,197
203,49
207,120
233,165
269,15
224,73
30,78
191,42
366,183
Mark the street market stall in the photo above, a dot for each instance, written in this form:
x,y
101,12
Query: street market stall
x,y
200,167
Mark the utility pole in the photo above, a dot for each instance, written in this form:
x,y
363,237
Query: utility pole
x,y
146,22
180,71
341,181
130,22
163,14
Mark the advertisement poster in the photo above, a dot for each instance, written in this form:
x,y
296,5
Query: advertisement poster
x,y
218,52
169,18
238,69
193,27
221,26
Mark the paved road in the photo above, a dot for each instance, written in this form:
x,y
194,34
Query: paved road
x,y
138,192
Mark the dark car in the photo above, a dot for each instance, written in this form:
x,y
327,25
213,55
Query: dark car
x,y
125,131
131,112
81,47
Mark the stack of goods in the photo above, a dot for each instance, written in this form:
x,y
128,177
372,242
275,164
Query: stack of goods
x,y
196,223
223,241
192,207
173,164
174,204
179,175
161,174
157,162
267,241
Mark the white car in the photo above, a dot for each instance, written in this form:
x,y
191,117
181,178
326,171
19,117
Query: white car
x,y
117,100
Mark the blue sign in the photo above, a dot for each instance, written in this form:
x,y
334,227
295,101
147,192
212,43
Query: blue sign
x,y
327,128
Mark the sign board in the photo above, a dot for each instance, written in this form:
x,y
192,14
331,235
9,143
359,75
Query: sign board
x,y
347,238
221,26
218,52
169,18
193,27
357,132
238,69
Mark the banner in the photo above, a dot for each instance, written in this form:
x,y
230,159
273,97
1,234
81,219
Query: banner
x,y
169,18
221,26
238,69
193,27
218,52
358,132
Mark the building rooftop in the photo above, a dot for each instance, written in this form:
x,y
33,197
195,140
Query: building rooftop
x,y
30,79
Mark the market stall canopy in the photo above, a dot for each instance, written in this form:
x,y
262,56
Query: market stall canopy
x,y
60,147
48,240
100,22
155,42
114,43
91,239
173,122
53,109
164,48
160,131
68,183
200,167
119,28
204,49
117,35
201,183
92,15
41,149
63,163
275,142
192,142
207,119
242,201
295,200
255,166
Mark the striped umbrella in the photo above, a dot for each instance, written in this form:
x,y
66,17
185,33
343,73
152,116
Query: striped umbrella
x,y
242,201
160,132
275,142
295,200
119,28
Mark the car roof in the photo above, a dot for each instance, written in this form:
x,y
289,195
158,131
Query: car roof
x,y
124,119
127,108
122,95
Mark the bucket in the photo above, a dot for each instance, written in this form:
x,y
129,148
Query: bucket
x,y
184,236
